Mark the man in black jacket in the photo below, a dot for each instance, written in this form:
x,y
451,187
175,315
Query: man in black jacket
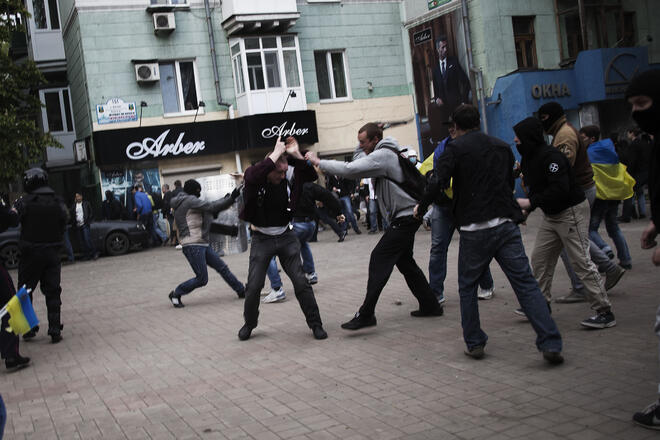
x,y
43,217
552,187
82,216
487,218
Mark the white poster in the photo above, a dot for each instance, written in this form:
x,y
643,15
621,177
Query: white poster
x,y
116,110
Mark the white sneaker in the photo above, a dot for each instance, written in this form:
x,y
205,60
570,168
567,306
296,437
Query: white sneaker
x,y
275,296
312,278
485,293
178,246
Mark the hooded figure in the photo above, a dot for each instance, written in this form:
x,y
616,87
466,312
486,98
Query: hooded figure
x,y
548,176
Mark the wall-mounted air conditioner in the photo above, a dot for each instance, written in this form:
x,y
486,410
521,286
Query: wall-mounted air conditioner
x,y
146,72
164,22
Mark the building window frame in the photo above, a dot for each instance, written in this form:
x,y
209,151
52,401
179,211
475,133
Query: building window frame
x,y
50,15
329,69
181,104
525,42
174,3
65,110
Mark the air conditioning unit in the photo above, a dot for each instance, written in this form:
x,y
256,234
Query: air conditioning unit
x,y
164,22
146,72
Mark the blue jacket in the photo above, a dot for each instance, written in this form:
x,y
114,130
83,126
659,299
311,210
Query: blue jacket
x,y
142,203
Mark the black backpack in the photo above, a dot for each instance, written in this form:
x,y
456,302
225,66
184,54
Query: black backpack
x,y
414,182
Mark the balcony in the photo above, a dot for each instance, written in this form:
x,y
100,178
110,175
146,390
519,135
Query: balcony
x,y
258,16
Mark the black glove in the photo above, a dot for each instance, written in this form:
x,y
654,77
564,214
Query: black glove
x,y
236,192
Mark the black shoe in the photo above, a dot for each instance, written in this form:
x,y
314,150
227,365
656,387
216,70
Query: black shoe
x,y
626,266
623,219
372,232
359,322
319,333
358,232
438,311
176,300
16,362
649,417
342,236
476,352
553,357
55,338
245,332
602,320
31,334
240,294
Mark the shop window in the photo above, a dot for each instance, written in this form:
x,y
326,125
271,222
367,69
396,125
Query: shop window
x,y
270,63
56,114
179,86
331,75
46,15
523,35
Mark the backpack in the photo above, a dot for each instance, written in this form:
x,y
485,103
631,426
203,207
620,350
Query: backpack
x,y
414,182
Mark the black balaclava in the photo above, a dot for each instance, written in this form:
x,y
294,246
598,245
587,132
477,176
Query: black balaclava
x,y
647,84
554,110
530,133
192,187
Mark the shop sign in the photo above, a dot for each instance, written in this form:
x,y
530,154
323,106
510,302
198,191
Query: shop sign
x,y
262,130
435,3
552,90
422,36
116,110
619,71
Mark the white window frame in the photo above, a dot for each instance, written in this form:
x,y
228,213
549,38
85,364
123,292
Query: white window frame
x,y
279,49
44,110
331,79
48,27
182,105
169,3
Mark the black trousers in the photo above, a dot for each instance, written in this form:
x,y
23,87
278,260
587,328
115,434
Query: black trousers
x,y
42,265
395,248
8,341
287,247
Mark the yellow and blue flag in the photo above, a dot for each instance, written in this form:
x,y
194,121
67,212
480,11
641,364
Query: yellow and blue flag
x,y
21,314
612,180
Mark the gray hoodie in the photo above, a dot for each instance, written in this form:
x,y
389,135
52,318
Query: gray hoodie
x,y
194,216
395,202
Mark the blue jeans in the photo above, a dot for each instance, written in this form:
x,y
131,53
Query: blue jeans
x,y
442,231
158,233
504,243
3,416
607,210
199,257
373,216
274,275
67,245
85,240
347,209
304,231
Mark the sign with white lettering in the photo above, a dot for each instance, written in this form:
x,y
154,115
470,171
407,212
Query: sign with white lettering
x,y
114,147
422,36
555,90
116,110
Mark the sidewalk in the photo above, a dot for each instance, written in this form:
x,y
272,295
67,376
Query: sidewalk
x,y
133,367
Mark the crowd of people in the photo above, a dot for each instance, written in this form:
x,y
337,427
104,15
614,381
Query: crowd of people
x,y
578,181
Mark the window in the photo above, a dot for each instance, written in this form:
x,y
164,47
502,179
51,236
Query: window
x,y
523,35
178,83
57,116
271,63
331,75
46,15
169,2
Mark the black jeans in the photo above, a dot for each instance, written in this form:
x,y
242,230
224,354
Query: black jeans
x,y
287,247
42,265
395,248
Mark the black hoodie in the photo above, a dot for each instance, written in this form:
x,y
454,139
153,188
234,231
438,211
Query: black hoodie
x,y
547,173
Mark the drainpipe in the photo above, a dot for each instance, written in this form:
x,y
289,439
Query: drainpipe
x,y
216,76
237,156
478,72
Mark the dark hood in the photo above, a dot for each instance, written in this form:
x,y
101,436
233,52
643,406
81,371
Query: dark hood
x,y
530,133
647,84
554,110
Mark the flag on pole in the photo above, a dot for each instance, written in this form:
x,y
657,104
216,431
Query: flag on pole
x,y
21,314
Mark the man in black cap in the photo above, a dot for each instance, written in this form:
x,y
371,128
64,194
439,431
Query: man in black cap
x,y
644,95
43,216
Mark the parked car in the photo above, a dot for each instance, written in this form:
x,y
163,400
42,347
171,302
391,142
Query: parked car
x,y
110,237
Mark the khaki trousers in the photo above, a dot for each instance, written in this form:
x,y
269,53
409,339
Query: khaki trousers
x,y
568,230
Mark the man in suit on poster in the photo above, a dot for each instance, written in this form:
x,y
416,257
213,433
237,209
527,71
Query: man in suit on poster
x,y
451,86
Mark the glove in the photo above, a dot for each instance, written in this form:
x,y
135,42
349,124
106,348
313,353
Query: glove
x,y
236,193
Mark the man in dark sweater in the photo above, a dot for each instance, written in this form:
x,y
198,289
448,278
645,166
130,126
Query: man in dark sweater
x,y
269,202
552,187
487,218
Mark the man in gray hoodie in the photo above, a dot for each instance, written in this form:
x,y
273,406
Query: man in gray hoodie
x,y
193,217
396,245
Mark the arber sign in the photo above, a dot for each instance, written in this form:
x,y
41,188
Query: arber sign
x,y
552,90
157,147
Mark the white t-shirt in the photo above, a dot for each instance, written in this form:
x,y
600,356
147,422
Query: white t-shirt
x,y
80,216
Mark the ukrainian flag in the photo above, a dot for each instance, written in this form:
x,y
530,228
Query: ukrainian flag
x,y
612,180
427,166
21,314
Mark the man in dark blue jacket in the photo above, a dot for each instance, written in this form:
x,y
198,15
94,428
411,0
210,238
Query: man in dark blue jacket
x,y
487,217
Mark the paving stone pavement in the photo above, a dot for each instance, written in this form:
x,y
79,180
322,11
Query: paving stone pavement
x,y
133,367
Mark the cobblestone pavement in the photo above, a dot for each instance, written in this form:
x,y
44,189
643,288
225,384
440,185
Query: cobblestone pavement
x,y
133,367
